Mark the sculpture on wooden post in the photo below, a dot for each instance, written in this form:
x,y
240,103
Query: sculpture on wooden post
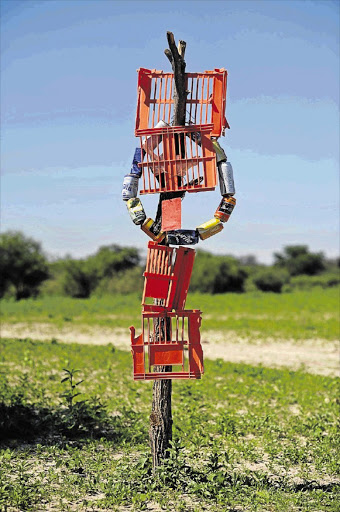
x,y
179,118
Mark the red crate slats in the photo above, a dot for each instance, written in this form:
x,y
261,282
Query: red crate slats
x,y
178,347
167,276
205,99
164,169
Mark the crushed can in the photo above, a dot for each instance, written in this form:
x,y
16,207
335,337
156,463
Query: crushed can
x,y
136,210
225,208
130,187
226,176
195,182
137,159
220,154
182,237
196,137
149,227
152,142
209,228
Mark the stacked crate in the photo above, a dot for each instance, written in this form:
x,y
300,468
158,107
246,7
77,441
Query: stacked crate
x,y
179,157
170,334
173,159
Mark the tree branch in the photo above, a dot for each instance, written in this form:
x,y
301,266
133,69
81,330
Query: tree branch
x,y
178,64
161,418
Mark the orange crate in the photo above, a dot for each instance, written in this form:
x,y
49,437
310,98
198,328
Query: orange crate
x,y
206,99
168,339
167,276
177,158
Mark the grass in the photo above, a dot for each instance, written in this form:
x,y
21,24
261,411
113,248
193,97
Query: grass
x,y
245,438
302,314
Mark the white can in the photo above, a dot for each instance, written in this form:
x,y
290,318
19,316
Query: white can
x,y
226,176
152,142
130,187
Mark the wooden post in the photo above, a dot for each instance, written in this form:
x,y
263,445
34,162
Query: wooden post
x,y
161,416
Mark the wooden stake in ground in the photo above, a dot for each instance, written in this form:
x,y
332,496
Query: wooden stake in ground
x,y
161,416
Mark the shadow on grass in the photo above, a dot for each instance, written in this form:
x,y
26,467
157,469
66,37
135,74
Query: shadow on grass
x,y
83,422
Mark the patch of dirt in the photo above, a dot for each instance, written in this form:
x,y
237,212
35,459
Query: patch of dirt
x,y
317,356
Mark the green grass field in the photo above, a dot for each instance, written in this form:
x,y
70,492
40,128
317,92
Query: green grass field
x,y
245,438
297,315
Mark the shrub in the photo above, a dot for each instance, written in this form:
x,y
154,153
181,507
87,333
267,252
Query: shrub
x,y
110,259
216,274
298,260
326,280
129,281
79,279
23,265
270,280
110,270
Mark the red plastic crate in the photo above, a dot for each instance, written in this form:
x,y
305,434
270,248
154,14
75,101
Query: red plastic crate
x,y
206,99
167,277
177,158
177,344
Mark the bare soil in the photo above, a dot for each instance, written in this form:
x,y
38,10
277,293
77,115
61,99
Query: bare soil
x,y
317,356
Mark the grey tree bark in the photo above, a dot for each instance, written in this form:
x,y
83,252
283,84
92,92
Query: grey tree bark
x,y
160,431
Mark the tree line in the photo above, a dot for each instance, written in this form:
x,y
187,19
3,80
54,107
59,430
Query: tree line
x,y
26,271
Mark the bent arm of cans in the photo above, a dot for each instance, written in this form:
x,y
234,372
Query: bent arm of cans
x,y
228,202
134,204
181,236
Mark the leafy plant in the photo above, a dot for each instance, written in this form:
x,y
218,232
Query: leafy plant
x,y
217,274
271,280
81,415
71,393
23,265
298,260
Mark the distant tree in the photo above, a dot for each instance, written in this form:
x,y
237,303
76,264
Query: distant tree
x,y
271,280
248,260
110,259
22,264
216,274
81,277
298,260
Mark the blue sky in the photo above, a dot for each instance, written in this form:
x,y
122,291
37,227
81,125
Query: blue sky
x,y
68,100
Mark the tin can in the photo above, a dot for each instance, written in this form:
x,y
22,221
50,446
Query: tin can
x,y
149,227
209,228
195,182
226,175
196,137
136,210
225,208
130,187
220,154
152,142
137,159
182,237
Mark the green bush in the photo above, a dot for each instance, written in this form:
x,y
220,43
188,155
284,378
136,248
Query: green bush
x,y
79,279
325,280
270,280
110,270
111,259
216,274
298,260
23,265
125,282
